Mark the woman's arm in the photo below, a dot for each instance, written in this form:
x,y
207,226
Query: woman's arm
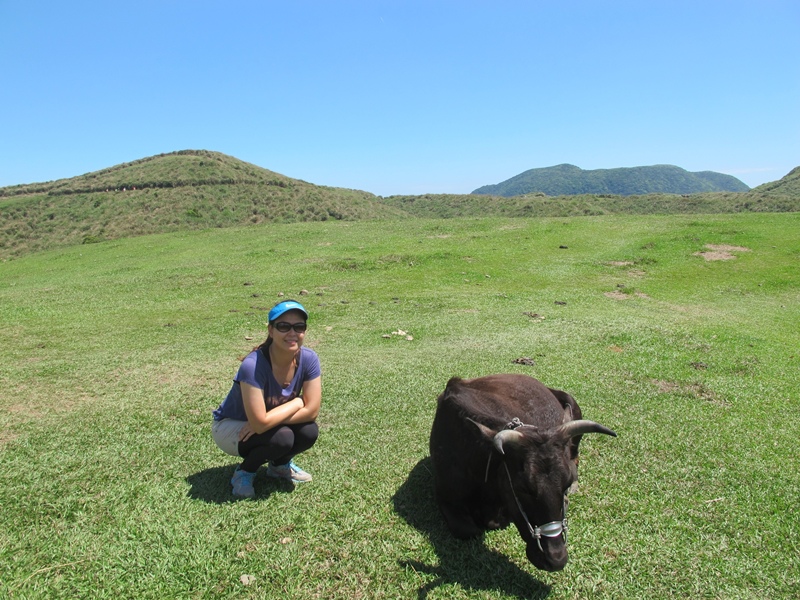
x,y
258,417
312,399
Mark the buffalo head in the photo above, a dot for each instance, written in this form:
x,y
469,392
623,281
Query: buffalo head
x,y
533,471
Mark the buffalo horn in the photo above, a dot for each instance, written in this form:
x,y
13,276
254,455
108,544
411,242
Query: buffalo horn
x,y
573,428
508,437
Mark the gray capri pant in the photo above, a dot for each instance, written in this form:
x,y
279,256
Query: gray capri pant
x,y
226,435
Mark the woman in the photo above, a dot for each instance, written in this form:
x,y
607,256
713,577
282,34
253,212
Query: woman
x,y
269,414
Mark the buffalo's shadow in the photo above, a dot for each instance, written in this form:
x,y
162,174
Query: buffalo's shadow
x,y
214,485
469,564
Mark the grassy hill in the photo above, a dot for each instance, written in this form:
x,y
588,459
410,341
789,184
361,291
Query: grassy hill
x,y
198,189
567,179
787,187
170,192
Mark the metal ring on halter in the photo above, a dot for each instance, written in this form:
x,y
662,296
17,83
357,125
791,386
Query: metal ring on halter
x,y
551,529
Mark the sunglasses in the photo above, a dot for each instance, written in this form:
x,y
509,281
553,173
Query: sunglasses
x,y
283,327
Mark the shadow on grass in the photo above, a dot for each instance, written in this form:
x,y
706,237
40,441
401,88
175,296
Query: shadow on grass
x,y
214,485
469,564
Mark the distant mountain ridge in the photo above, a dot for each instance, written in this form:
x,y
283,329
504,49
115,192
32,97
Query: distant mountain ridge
x,y
568,180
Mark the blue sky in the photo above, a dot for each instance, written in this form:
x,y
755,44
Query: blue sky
x,y
401,97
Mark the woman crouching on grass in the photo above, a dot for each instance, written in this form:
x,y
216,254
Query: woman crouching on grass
x,y
268,415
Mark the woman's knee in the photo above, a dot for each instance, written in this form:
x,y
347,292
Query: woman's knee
x,y
306,435
276,441
283,439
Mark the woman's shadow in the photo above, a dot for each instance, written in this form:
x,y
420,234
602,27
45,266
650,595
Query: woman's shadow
x,y
214,485
469,564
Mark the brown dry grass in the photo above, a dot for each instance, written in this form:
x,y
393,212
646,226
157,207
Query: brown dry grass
x,y
721,252
695,390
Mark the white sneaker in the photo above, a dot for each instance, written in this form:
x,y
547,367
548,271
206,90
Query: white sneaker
x,y
288,471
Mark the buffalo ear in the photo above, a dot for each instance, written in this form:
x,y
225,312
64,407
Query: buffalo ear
x,y
500,439
567,414
485,431
507,438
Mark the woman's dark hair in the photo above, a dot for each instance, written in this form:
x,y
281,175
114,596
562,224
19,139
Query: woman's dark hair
x,y
264,345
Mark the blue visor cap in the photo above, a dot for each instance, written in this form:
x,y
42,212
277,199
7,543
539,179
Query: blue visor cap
x,y
285,307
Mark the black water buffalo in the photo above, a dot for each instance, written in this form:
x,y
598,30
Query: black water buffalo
x,y
504,449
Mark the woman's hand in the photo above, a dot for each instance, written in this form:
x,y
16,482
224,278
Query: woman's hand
x,y
311,400
245,432
259,419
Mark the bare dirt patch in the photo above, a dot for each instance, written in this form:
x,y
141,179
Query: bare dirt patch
x,y
727,248
695,390
6,437
666,387
626,263
618,295
721,252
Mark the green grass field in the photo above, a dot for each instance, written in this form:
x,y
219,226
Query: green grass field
x,y
114,354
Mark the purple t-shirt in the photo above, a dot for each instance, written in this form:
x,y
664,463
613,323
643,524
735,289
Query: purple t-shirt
x,y
256,370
